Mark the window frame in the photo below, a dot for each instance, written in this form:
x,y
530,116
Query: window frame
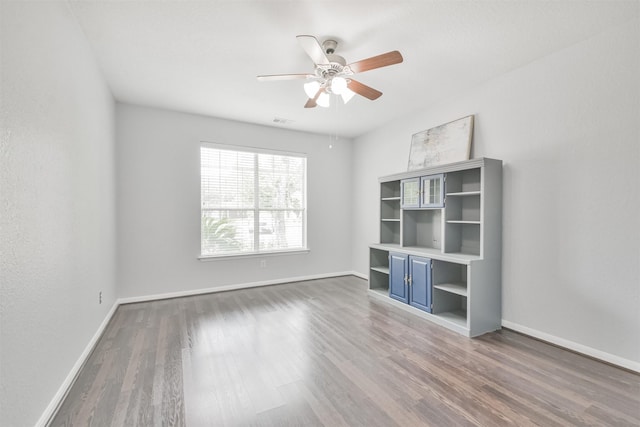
x,y
256,209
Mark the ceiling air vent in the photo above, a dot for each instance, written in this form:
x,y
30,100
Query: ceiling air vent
x,y
281,121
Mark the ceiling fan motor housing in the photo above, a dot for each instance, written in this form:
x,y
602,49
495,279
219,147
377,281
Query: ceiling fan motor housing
x,y
336,63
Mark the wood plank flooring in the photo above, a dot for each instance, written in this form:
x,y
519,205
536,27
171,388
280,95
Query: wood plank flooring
x,y
325,353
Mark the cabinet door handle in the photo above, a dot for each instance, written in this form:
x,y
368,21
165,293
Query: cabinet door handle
x,y
409,280
405,279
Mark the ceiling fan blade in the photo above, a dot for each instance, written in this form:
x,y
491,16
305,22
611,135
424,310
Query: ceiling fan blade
x,y
374,62
311,102
311,45
277,77
364,90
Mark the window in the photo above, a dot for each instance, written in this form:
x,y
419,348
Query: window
x,y
253,201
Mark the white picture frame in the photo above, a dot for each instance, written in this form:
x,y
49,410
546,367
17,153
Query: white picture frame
x,y
447,143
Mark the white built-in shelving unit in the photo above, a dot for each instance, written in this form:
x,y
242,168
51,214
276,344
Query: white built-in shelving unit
x,y
451,217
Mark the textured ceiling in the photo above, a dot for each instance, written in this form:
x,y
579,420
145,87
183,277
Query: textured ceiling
x,y
203,56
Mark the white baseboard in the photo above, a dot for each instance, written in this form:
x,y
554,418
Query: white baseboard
x,y
574,346
360,275
233,287
68,382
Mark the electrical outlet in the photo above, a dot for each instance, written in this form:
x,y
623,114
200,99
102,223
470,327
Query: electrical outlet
x,y
263,263
100,298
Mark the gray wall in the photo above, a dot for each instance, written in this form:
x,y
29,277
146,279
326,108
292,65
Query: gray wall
x,y
57,216
158,158
568,130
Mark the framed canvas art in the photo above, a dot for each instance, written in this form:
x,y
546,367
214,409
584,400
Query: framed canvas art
x,y
447,143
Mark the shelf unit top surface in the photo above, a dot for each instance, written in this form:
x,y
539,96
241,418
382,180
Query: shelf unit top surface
x,y
450,167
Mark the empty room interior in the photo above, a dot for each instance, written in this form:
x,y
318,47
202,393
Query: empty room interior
x,y
320,213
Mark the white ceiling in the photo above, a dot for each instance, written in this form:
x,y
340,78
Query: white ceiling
x,y
203,56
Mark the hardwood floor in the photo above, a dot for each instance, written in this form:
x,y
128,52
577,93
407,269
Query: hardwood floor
x,y
323,352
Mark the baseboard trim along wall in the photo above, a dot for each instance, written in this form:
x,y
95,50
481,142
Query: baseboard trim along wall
x,y
58,398
360,275
233,287
573,346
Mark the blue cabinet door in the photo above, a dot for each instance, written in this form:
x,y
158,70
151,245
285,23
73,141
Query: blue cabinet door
x,y
420,283
398,275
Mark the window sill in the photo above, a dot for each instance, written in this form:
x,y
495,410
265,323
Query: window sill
x,y
205,258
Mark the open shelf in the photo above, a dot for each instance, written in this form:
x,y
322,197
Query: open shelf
x,y
450,277
379,280
459,317
465,209
422,228
462,237
383,270
464,181
390,212
390,209
450,291
464,193
454,288
379,269
455,221
379,258
452,306
390,190
390,232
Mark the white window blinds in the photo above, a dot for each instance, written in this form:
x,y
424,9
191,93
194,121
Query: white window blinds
x,y
252,202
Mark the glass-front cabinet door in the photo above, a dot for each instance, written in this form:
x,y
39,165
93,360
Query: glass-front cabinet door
x,y
432,191
410,189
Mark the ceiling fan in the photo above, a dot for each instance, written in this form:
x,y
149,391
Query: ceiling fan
x,y
332,75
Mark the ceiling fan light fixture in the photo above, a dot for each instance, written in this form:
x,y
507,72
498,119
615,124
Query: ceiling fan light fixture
x,y
347,94
338,85
311,88
323,100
